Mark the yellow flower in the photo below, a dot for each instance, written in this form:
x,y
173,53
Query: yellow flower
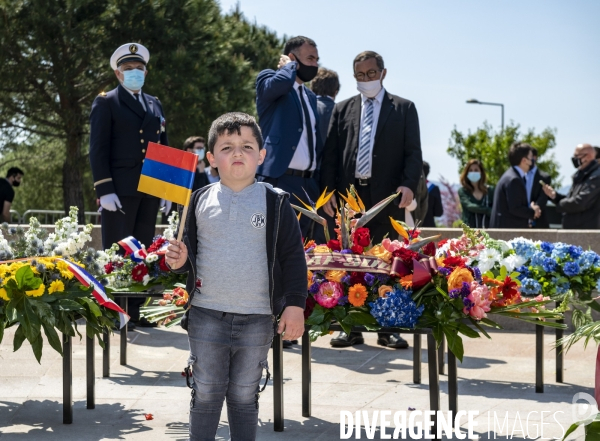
x,y
380,252
335,275
4,294
309,276
458,276
56,286
36,292
322,249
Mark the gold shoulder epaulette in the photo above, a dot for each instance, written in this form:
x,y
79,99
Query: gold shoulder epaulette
x,y
103,93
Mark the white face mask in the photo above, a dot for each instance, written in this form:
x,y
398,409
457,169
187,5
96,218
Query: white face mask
x,y
200,153
370,89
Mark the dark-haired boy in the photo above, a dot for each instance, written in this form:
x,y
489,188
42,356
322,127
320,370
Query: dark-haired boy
x,y
245,266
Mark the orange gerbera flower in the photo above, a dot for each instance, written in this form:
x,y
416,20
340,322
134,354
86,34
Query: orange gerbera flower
x,y
309,244
406,281
357,295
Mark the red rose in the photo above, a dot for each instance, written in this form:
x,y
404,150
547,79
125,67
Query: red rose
x,y
406,256
357,277
109,268
156,245
163,265
310,305
454,261
334,245
138,272
362,237
357,249
429,249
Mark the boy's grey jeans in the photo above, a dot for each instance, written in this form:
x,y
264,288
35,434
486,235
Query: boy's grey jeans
x,y
228,353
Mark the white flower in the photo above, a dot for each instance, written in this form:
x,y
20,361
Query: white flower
x,y
513,261
146,279
152,257
487,259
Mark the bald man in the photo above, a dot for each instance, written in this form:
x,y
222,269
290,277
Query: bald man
x,y
581,207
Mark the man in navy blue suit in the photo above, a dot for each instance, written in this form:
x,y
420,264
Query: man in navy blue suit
x,y
288,118
122,122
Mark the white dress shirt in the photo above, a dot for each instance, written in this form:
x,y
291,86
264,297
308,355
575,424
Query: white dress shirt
x,y
301,158
142,100
377,101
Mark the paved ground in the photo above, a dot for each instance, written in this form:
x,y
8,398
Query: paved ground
x,y
495,379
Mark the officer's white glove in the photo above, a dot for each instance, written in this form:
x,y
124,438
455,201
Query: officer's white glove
x,y
110,202
165,206
408,219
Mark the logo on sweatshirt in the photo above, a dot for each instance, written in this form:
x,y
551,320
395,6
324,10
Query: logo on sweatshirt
x,y
258,220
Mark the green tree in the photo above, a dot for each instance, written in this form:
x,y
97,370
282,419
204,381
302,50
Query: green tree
x,y
491,148
54,60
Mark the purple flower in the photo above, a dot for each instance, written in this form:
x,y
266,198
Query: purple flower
x,y
444,271
343,301
369,279
346,279
346,251
383,278
314,288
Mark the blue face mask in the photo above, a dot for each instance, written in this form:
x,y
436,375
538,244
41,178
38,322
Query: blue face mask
x,y
133,79
474,177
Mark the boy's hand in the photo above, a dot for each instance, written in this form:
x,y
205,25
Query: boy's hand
x,y
291,324
176,254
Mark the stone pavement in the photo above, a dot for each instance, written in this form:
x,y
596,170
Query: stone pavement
x,y
496,378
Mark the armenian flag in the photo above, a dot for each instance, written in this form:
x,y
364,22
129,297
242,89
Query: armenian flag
x,y
168,173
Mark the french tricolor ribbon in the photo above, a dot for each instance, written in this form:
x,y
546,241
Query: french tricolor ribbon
x,y
87,280
134,248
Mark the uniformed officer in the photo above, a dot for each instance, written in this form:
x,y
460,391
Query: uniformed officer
x,y
122,122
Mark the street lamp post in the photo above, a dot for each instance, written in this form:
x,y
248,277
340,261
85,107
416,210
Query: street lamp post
x,y
474,101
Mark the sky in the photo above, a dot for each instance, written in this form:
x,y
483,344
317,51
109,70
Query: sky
x,y
540,58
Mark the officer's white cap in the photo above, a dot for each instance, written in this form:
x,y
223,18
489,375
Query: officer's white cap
x,y
129,52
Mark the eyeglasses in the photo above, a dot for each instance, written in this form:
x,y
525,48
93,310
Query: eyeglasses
x,y
371,74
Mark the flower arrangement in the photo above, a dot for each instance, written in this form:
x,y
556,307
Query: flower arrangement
x,y
410,283
169,310
39,288
140,269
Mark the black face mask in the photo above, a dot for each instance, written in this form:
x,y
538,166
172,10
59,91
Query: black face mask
x,y
304,72
16,183
576,161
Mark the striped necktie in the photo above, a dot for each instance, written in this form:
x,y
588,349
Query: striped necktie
x,y
364,146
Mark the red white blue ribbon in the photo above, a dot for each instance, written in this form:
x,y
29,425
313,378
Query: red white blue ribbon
x,y
134,248
87,280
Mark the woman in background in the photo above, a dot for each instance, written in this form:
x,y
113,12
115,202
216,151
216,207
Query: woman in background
x,y
476,197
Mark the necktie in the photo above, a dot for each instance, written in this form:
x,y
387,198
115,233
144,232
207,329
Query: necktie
x,y
137,97
364,146
308,126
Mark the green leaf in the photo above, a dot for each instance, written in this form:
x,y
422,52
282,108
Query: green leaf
x,y
94,308
317,316
19,338
357,318
339,312
37,346
454,344
26,279
466,330
69,305
592,431
2,325
44,311
53,338
478,326
572,428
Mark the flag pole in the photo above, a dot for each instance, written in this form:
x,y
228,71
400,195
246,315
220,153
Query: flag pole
x,y
183,218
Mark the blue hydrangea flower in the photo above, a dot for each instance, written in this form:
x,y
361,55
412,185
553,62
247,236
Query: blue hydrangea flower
x,y
549,264
397,309
560,251
547,247
523,272
598,285
369,279
523,247
530,287
571,269
587,260
383,278
538,258
575,251
561,288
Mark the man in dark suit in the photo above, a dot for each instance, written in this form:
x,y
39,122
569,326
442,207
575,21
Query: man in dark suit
x,y
289,120
122,122
511,208
374,144
535,192
435,207
326,86
581,206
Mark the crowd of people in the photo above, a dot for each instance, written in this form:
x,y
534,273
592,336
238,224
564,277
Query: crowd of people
x,y
303,143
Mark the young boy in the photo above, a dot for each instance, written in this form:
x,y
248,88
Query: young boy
x,y
242,250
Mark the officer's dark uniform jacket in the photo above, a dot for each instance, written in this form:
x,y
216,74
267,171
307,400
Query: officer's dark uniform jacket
x,y
581,207
120,132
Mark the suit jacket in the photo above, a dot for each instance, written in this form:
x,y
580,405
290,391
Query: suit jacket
x,y
280,117
581,207
435,207
539,197
119,134
325,107
396,159
511,209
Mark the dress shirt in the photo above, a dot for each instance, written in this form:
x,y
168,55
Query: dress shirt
x,y
301,158
529,183
376,111
142,100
